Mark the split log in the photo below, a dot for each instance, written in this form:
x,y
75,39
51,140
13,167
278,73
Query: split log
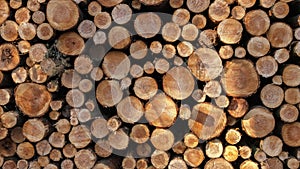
x,y
258,46
9,57
119,37
292,95
291,75
230,31
38,17
218,163
245,152
258,122
280,35
102,20
197,6
218,10
116,65
70,43
240,83
231,153
271,145
162,139
147,25
171,32
207,121
288,113
130,109
62,15
257,22
160,159
44,31
9,30
214,148
272,96
290,134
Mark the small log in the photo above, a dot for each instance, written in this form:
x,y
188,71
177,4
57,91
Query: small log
x,y
160,159
168,51
171,32
38,17
199,21
144,150
22,164
22,15
116,65
267,3
271,145
9,119
54,115
75,98
83,64
230,31
55,155
136,4
218,10
140,133
231,153
43,148
86,29
240,83
57,139
111,3
102,20
226,52
24,47
5,95
208,38
70,79
94,8
177,162
130,109
38,52
44,31
181,17
273,163
16,135
233,136
15,4
190,140
205,64
34,130
212,89
63,126
161,65
149,67
138,49
128,163
292,95
178,61
34,165
9,164
147,25
288,113
198,95
260,155
9,30
179,147
114,123
155,47
96,74
118,140
69,150
280,10
185,49
142,163
258,122
25,150
266,66
126,82
62,15
27,31
176,3
290,134
80,136
162,139
279,38
246,3
193,157
7,148
161,111
36,74
151,2
296,49
272,96
293,163
109,93
136,71
197,6
98,124
218,163
249,164
33,5
291,75
85,159
257,22
238,12
85,85
67,164
214,148
5,11
9,57
240,52
245,152
222,101
70,43
121,14
56,105
258,46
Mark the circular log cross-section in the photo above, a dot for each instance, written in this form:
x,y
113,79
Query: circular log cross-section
x,y
240,78
218,163
147,25
207,121
280,35
119,37
109,93
4,11
70,43
178,83
197,6
290,134
257,22
116,65
62,15
9,57
130,109
230,31
32,99
272,96
145,87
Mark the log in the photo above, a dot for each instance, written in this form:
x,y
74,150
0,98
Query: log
x,y
177,162
114,123
230,31
116,65
109,93
233,136
240,83
155,47
62,15
256,22
136,4
260,155
34,165
288,113
25,150
9,119
85,85
37,75
169,51
142,163
34,130
293,163
272,96
38,17
222,101
267,3
85,159
54,115
212,89
292,95
5,96
15,4
179,147
171,32
3,133
94,8
181,16
218,10
207,121
125,83
22,15
148,67
246,3
96,74
128,163
279,38
258,122
63,126
226,52
290,134
55,155
205,64
231,153
240,52
249,164
190,140
118,140
22,164
16,135
37,52
111,3
176,3
26,31
70,79
291,75
258,46
184,112
185,49
9,164
57,140
147,25
193,157
296,49
280,10
238,12
24,47
140,133
214,148
272,163
160,159
75,98
197,6
80,136
283,155
119,37
208,38
121,14
161,66
70,43
144,150
266,66
136,71
86,29
102,20
7,148
162,139
138,49
5,11
199,21
271,145
67,164
9,57
130,109
218,162
44,31
83,64
43,148
161,111
69,150
33,5
9,30
245,152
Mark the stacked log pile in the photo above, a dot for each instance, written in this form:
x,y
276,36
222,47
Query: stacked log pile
x,y
109,84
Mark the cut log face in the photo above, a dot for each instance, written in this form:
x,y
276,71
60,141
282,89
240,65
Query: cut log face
x,y
9,57
272,96
258,122
145,87
291,75
240,78
197,6
258,46
119,37
32,99
4,8
193,156
272,145
162,139
147,25
257,22
280,35
218,163
116,65
62,15
34,130
230,31
130,109
205,64
178,83
290,134
109,93
207,121
110,3
161,111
